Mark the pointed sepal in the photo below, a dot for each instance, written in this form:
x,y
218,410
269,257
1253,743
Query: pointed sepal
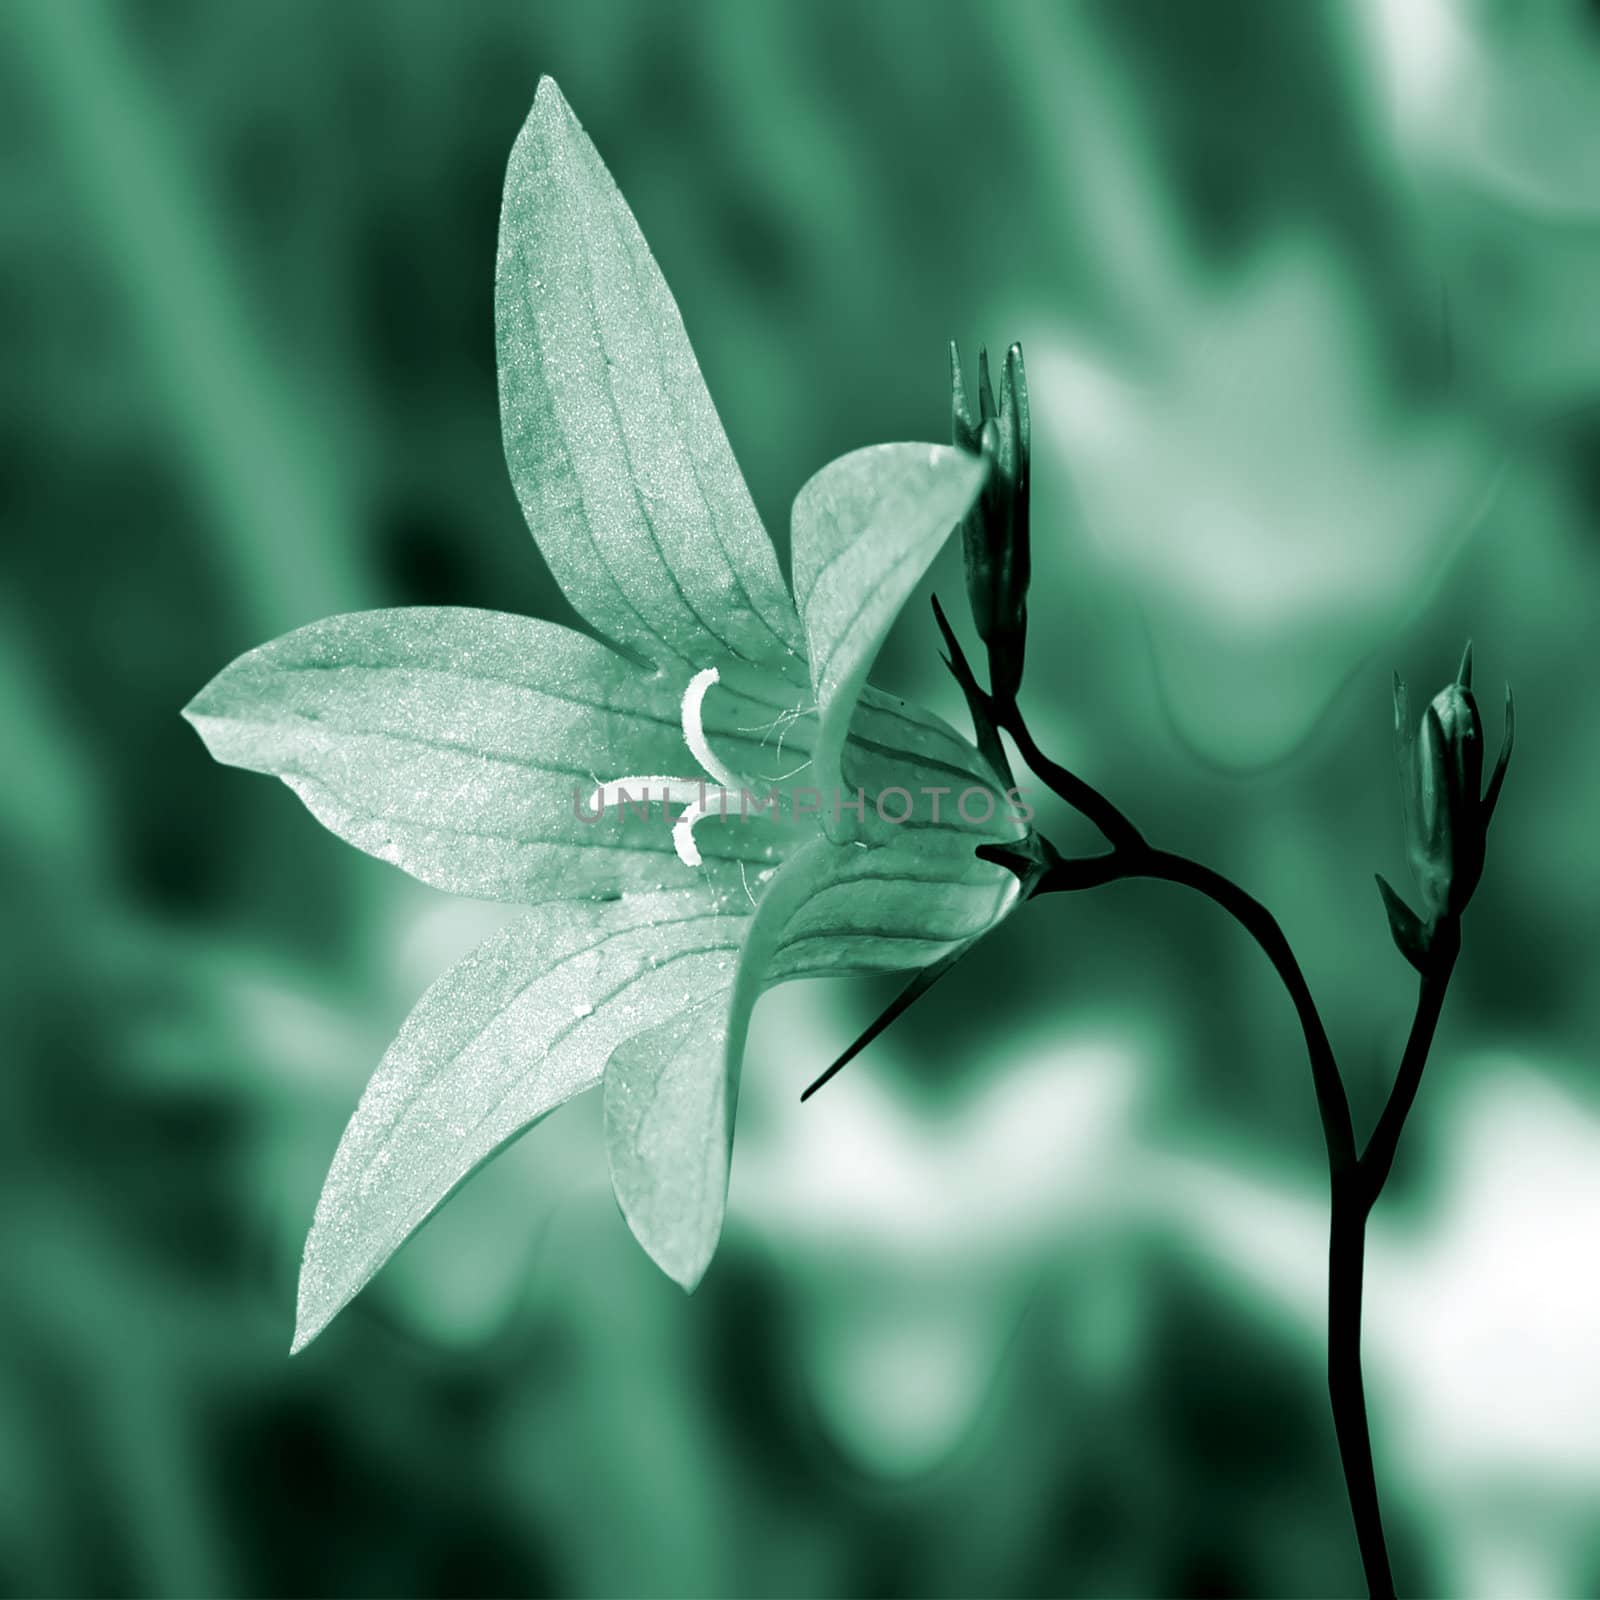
x,y
902,1002
1409,931
965,434
1498,777
1030,859
1405,756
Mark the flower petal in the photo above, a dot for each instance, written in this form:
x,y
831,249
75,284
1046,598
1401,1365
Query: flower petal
x,y
461,746
866,528
671,1094
892,908
899,744
522,1024
616,451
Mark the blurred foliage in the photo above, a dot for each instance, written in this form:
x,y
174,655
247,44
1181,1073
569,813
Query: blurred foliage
x,y
1029,1300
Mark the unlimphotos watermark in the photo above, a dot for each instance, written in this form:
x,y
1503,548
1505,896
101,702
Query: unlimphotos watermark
x,y
975,805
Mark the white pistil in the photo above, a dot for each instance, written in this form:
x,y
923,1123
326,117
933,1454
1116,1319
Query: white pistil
x,y
694,728
683,832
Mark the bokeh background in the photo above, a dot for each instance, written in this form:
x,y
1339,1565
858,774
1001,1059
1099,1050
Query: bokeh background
x,y
1029,1301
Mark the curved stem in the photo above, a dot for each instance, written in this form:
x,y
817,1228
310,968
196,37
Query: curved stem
x,y
1333,1106
1347,1243
1355,1181
1353,1201
1441,961
1132,857
1083,797
1350,1194
1142,861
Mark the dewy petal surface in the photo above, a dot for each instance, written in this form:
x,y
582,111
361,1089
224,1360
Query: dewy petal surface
x,y
522,1024
614,446
456,744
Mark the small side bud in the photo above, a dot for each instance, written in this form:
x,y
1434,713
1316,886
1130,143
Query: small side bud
x,y
1441,776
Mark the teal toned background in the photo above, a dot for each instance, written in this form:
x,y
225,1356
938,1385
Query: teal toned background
x,y
1029,1300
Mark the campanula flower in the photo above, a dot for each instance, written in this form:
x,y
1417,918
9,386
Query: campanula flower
x,y
494,755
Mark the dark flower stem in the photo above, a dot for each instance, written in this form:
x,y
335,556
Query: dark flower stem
x,y
1355,1181
1083,797
1435,980
1347,1247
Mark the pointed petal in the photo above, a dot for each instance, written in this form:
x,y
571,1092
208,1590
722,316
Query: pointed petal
x,y
1407,928
671,1094
866,528
522,1024
460,745
1492,798
616,451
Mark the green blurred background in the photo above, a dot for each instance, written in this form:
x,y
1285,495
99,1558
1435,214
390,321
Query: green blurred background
x,y
1029,1301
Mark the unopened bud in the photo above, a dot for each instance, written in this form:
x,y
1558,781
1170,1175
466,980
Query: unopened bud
x,y
995,531
1446,814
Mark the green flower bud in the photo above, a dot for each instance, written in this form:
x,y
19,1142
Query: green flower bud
x,y
995,532
1446,816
